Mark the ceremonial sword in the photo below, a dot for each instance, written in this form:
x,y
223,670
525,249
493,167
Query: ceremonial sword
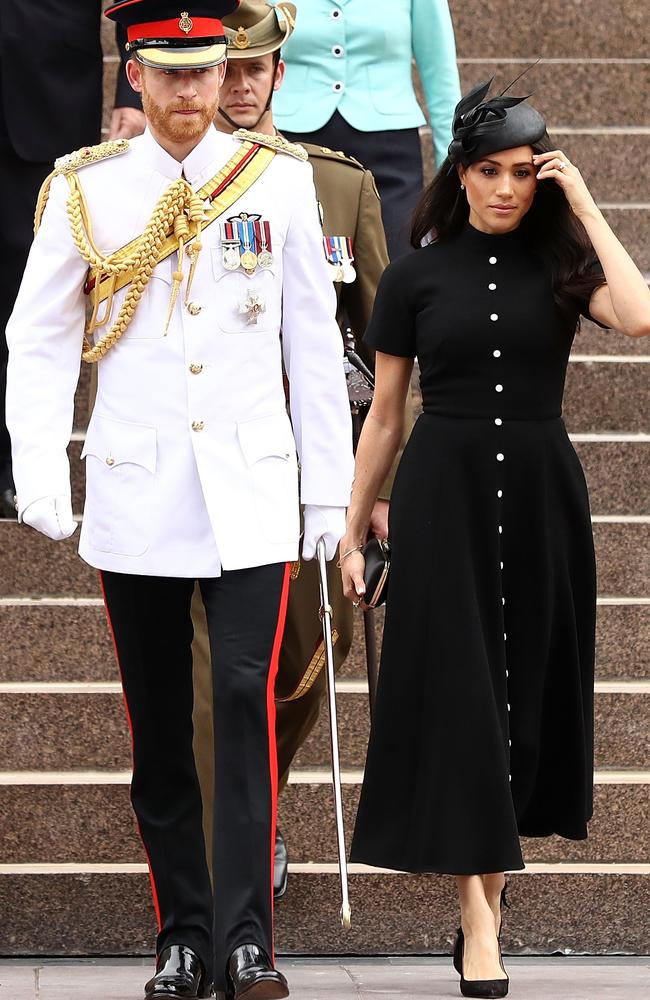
x,y
325,614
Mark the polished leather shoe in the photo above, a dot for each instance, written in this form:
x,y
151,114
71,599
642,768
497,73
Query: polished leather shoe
x,y
8,504
280,867
251,976
179,976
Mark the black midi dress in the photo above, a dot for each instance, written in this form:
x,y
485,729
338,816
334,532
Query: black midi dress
x,y
483,728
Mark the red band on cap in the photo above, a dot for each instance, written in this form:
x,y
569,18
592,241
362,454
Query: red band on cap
x,y
202,27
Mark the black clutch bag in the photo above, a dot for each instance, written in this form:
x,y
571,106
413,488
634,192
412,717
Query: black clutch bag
x,y
376,552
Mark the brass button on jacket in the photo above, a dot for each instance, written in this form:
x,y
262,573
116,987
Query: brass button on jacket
x,y
196,369
197,425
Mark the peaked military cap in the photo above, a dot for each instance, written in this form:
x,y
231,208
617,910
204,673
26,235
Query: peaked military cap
x,y
174,34
482,126
257,28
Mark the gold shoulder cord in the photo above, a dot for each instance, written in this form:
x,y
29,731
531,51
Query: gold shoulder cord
x,y
179,209
178,216
275,142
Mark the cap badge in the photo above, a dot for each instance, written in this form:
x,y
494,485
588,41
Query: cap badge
x,y
241,39
185,22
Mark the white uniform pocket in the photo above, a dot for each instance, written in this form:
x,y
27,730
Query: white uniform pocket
x,y
236,293
269,450
120,472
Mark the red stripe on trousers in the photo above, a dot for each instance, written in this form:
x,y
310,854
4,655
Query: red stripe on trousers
x,y
270,714
154,891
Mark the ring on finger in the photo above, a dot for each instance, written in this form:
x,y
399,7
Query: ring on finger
x,y
562,165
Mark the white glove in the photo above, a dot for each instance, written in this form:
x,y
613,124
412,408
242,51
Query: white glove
x,y
52,516
327,523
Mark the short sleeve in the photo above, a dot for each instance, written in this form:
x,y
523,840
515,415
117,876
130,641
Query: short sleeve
x,y
392,324
594,272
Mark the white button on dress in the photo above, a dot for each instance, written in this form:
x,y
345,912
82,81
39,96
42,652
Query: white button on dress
x,y
496,354
493,260
498,387
492,287
494,317
500,456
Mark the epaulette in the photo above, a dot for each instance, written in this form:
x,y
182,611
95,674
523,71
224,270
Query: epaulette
x,y
89,154
275,142
332,154
70,163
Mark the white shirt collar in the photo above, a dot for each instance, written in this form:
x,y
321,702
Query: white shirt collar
x,y
199,165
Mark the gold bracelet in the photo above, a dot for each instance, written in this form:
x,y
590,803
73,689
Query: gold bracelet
x,y
357,548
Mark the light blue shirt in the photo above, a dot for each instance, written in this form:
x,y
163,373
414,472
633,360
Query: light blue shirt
x,y
355,56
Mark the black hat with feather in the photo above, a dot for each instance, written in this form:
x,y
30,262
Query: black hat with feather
x,y
485,125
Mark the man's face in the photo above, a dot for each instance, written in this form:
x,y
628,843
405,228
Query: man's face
x,y
247,86
179,104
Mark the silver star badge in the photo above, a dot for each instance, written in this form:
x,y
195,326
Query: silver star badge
x,y
252,307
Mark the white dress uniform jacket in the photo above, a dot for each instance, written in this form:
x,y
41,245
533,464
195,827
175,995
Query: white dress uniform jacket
x,y
190,456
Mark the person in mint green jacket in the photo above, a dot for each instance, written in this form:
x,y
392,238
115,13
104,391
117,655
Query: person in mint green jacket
x,y
349,86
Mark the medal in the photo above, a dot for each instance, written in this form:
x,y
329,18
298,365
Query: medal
x,y
243,227
229,246
248,261
338,253
263,240
252,307
349,274
230,256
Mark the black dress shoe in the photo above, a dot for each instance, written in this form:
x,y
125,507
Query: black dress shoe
x,y
8,504
280,867
251,976
179,976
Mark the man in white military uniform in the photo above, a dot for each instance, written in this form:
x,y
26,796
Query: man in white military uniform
x,y
185,249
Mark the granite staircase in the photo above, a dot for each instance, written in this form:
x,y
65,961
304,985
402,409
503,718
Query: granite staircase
x,y
73,878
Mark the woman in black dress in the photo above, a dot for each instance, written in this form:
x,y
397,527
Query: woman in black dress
x,y
483,729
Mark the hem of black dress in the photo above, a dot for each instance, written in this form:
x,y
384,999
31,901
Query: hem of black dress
x,y
566,835
409,869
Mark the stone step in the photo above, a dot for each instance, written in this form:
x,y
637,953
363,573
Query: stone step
x,y
604,158
67,639
83,727
617,467
592,340
601,28
391,913
69,818
34,566
572,92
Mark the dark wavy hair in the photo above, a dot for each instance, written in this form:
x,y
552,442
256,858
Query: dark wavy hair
x,y
559,238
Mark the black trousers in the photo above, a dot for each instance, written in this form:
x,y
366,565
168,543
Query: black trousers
x,y
152,627
19,186
395,158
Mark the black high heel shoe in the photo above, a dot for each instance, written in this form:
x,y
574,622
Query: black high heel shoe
x,y
480,988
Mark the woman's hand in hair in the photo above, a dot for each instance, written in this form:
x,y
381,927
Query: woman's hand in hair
x,y
556,166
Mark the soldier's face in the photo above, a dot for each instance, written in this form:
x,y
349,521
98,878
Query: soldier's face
x,y
179,104
247,86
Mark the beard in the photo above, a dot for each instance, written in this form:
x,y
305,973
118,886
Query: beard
x,y
176,128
